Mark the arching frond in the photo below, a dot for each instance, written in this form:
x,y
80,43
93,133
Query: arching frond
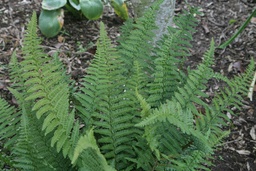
x,y
137,43
170,55
46,90
92,158
106,104
215,115
33,150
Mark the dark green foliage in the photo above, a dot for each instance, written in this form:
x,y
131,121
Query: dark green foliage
x,y
170,54
109,104
136,42
137,108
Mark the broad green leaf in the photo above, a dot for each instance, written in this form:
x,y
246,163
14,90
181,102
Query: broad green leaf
x,y
92,9
53,4
75,4
51,22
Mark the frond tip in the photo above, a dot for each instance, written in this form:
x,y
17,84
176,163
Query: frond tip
x,y
88,142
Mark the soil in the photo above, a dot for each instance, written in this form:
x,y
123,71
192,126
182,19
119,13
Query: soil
x,y
219,20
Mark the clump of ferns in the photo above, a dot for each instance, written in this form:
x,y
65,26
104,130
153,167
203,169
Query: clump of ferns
x,y
137,104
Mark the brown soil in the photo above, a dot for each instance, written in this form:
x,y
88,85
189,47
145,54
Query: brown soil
x,y
220,19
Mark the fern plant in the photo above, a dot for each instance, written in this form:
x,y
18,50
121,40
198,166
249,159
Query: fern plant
x,y
136,108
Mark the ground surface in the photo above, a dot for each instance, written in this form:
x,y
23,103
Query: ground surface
x,y
220,19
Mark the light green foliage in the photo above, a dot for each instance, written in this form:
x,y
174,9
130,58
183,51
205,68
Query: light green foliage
x,y
136,108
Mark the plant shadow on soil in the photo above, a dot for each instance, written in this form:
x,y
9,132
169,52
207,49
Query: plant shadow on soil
x,y
220,19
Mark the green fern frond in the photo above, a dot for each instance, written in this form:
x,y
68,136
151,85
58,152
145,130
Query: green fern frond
x,y
145,112
16,78
187,23
126,29
144,158
9,123
230,96
88,142
193,162
175,115
131,48
137,102
187,95
33,150
32,52
180,113
98,81
195,84
170,55
47,91
106,103
138,81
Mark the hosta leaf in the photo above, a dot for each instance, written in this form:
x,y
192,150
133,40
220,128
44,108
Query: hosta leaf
x,y
75,4
53,4
51,22
92,9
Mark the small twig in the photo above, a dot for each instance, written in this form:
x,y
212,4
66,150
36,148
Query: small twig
x,y
81,53
217,24
205,27
229,142
59,50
